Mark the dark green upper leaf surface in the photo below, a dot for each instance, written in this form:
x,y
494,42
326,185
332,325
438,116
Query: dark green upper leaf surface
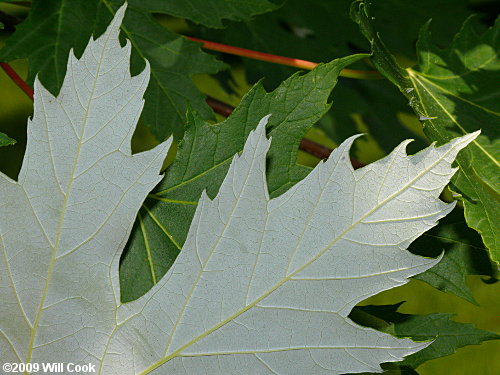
x,y
202,161
315,30
209,12
53,27
455,90
447,334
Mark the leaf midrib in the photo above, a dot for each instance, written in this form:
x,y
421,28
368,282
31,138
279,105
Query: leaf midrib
x,y
226,225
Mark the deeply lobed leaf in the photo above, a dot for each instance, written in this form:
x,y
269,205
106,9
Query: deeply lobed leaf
x,y
65,221
262,285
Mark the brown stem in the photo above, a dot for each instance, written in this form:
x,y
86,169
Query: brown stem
x,y
17,79
296,63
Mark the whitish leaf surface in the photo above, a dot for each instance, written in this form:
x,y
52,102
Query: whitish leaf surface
x,y
65,221
261,286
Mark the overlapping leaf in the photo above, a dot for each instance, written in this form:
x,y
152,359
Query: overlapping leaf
x,y
203,160
454,90
261,284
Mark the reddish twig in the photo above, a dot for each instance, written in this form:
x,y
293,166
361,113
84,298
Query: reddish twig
x,y
296,63
17,79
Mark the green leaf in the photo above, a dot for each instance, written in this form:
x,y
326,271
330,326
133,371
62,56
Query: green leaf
x,y
203,159
209,12
44,39
5,140
464,255
454,90
464,97
448,335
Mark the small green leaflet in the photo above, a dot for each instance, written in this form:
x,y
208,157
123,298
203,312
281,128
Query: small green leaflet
x,y
444,92
261,286
5,140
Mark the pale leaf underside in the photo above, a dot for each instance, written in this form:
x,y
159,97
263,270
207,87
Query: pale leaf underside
x,y
261,286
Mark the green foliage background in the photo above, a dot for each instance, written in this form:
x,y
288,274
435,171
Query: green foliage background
x,y
315,30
